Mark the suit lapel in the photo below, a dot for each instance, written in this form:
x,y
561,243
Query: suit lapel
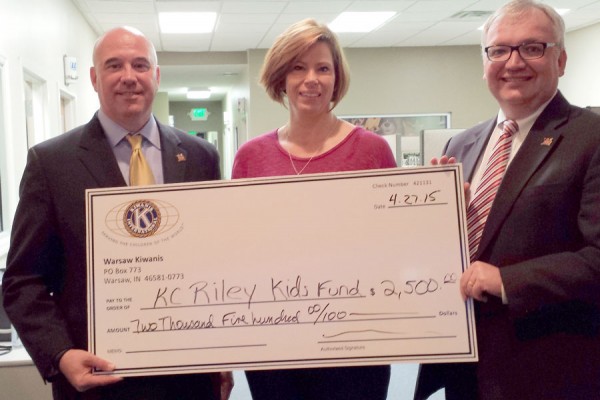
x,y
97,156
541,139
174,156
474,148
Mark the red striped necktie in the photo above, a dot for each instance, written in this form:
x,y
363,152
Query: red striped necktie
x,y
488,187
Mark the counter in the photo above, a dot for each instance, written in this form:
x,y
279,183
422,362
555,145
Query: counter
x,y
19,379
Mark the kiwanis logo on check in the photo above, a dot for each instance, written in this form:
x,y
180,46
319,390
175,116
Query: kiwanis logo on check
x,y
142,218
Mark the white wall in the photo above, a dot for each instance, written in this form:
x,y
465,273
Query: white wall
x,y
395,81
34,36
430,80
236,105
581,82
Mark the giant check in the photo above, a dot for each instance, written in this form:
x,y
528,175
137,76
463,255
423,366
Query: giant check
x,y
349,268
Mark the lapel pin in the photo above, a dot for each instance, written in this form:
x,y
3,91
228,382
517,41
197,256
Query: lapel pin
x,y
547,141
180,157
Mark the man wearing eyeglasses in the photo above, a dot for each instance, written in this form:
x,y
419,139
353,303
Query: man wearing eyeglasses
x,y
533,222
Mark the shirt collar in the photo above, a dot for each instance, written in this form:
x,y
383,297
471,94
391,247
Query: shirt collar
x,y
115,133
525,124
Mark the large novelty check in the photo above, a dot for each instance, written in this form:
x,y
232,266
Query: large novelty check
x,y
348,268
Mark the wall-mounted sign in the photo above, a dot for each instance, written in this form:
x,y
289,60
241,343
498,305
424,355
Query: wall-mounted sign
x,y
70,64
198,114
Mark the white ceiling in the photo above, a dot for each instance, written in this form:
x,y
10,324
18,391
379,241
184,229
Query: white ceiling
x,y
251,24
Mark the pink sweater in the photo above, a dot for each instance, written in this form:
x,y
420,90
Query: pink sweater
x,y
360,150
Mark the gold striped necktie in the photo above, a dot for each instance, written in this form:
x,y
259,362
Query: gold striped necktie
x,y
139,170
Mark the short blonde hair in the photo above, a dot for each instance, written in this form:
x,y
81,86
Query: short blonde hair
x,y
289,46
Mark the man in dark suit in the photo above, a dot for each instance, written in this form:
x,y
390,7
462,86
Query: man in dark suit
x,y
535,274
45,281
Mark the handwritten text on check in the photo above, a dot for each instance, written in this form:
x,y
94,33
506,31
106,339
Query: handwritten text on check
x,y
320,270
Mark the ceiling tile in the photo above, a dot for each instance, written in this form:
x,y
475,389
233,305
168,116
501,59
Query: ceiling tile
x,y
252,7
317,6
180,42
128,7
250,24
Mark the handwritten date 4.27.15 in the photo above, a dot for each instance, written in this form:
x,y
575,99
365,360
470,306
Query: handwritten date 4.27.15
x,y
410,199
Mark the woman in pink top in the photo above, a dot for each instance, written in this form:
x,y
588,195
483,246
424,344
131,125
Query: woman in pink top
x,y
306,71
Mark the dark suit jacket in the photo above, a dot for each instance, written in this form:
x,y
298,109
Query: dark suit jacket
x,y
45,281
543,232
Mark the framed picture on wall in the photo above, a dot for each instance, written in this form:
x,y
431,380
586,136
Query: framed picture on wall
x,y
402,132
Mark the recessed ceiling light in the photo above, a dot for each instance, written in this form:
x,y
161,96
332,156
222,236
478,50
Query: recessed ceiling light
x,y
198,94
360,21
471,15
187,22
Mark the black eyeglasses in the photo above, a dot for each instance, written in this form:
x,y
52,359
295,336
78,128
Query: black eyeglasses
x,y
527,51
